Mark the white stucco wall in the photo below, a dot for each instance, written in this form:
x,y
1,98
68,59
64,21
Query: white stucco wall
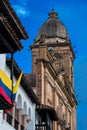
x,y
31,124
2,61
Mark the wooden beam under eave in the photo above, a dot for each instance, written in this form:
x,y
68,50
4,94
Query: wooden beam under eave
x,y
6,44
13,19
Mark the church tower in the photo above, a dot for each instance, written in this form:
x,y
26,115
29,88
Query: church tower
x,y
52,63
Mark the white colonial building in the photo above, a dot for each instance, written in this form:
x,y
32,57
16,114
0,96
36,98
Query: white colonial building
x,y
23,112
22,115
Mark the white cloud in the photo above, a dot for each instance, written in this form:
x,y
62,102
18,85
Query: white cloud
x,y
21,10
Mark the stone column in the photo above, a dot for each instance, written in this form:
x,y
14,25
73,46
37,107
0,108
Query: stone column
x,y
53,94
74,118
24,120
19,118
39,81
45,84
13,114
66,111
5,116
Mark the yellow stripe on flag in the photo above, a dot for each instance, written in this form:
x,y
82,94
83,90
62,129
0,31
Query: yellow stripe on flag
x,y
6,80
17,84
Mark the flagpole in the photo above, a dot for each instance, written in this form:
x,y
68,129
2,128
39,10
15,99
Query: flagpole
x,y
12,71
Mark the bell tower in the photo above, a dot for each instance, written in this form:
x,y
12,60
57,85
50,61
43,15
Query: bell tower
x,y
54,36
52,62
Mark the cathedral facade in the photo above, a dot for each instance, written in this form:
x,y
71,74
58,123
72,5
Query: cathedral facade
x,y
52,65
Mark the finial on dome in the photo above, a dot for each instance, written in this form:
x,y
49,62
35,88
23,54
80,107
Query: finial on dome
x,y
53,14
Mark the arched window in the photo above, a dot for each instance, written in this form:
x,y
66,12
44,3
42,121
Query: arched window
x,y
29,114
24,111
19,102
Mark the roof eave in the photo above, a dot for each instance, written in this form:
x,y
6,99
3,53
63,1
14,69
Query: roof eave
x,y
14,20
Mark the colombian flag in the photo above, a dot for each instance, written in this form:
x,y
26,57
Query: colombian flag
x,y
6,95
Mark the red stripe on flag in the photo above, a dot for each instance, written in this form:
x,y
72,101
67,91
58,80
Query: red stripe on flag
x,y
5,96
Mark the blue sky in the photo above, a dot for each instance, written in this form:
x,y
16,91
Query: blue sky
x,y
73,13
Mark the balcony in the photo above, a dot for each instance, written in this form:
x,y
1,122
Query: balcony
x,y
47,115
16,123
42,127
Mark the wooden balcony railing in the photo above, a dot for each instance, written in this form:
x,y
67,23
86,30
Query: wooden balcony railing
x,y
16,123
22,127
9,118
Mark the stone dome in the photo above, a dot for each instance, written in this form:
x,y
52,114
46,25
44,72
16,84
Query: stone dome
x,y
53,27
